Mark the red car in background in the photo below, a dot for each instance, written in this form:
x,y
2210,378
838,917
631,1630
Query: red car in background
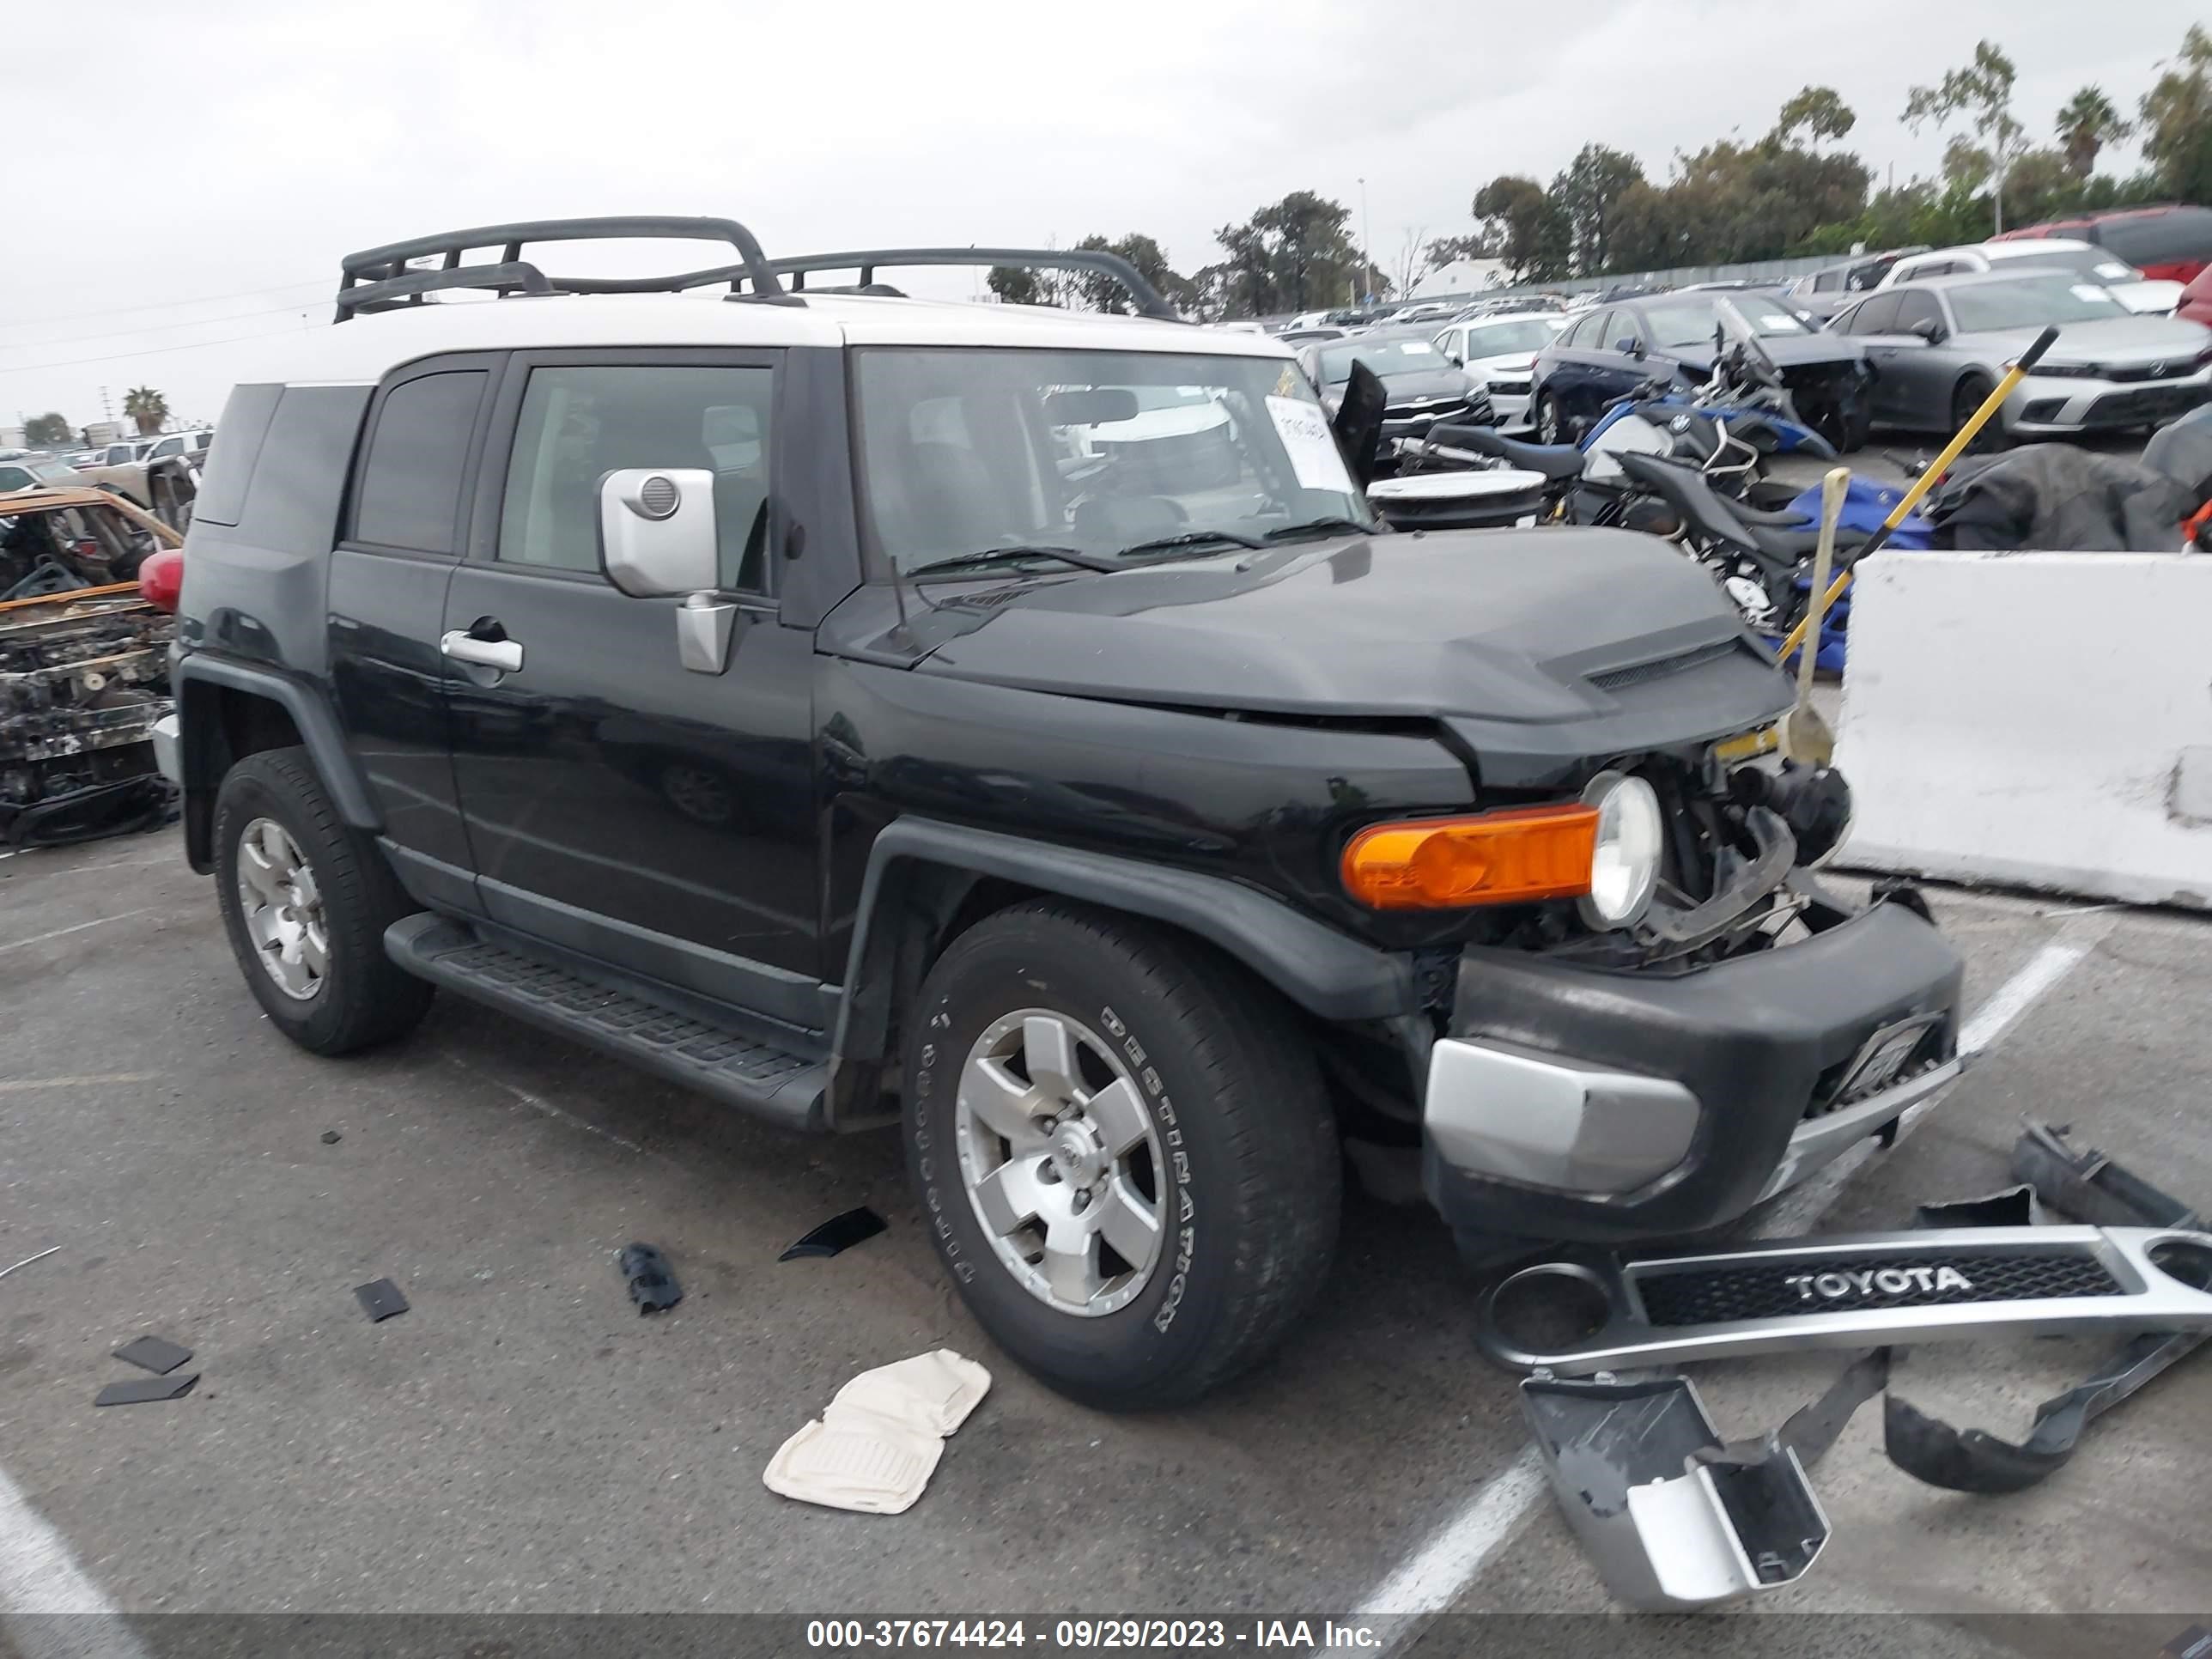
x,y
2170,241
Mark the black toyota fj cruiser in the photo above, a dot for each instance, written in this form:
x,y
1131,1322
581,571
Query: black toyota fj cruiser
x,y
1011,725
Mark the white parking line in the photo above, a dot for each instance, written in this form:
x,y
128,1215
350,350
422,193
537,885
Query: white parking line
x,y
64,933
39,1579
1437,1574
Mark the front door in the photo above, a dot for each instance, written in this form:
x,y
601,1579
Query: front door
x,y
618,803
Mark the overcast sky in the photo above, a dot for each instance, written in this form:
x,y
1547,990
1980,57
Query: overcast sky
x,y
227,152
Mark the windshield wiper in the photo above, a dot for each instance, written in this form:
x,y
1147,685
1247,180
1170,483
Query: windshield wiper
x,y
1191,538
1073,556
1322,527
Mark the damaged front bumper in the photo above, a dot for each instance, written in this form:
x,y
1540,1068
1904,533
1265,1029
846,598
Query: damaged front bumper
x,y
1569,1102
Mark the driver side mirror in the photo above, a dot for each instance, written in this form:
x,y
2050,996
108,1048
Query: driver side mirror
x,y
1927,329
1632,346
657,531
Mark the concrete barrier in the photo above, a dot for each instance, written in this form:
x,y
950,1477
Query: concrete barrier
x,y
2033,719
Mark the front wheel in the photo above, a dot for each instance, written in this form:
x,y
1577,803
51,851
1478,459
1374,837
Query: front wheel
x,y
1964,400
1123,1151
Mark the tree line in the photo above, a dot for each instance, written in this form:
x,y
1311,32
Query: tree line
x,y
1793,190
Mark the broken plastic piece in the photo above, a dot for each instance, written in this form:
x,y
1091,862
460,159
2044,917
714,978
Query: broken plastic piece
x,y
157,1354
2010,1206
876,1447
380,1299
331,1136
140,1390
2090,1186
839,1233
652,1284
1672,1519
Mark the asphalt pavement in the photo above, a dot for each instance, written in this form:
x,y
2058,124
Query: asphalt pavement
x,y
522,1440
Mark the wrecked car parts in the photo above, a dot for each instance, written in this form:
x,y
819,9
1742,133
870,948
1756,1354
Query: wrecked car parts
x,y
1674,1518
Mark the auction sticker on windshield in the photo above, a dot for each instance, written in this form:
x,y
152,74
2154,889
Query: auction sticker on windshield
x,y
1314,458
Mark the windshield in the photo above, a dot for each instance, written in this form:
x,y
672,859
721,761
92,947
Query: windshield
x,y
965,450
1509,339
1385,357
2087,261
2030,302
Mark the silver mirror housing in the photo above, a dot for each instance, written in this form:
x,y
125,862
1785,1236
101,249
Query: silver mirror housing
x,y
657,531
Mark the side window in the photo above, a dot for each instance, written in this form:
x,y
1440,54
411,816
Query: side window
x,y
1876,315
167,447
1914,307
1620,328
579,423
15,477
1828,282
410,492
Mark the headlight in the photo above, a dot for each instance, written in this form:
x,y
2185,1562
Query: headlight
x,y
1625,868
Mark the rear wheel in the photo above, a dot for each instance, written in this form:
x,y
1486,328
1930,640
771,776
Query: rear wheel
x,y
1551,425
306,900
1123,1148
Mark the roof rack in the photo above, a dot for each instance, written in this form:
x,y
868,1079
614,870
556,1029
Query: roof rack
x,y
377,278
866,262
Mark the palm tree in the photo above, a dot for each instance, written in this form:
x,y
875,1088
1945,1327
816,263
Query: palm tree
x,y
2086,125
148,407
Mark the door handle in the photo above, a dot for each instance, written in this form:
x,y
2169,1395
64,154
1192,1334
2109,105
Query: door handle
x,y
506,655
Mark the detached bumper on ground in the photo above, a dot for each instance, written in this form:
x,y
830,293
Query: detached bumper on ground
x,y
1570,1102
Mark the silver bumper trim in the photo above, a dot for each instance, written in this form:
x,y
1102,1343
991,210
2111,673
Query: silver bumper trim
x,y
1871,1290
1819,1141
168,750
1545,1120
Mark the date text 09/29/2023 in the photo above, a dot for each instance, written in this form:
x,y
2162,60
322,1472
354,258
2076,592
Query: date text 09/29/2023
x,y
855,1635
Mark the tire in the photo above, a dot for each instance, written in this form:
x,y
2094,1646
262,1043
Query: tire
x,y
359,997
1550,424
1857,430
1242,1157
1965,398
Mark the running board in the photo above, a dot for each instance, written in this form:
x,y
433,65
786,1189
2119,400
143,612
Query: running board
x,y
1956,1284
731,1066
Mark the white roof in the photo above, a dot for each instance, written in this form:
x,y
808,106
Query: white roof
x,y
367,348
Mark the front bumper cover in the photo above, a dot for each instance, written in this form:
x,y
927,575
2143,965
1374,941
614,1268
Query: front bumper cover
x,y
1579,1103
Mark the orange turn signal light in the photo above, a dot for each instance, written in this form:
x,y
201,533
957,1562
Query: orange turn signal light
x,y
1506,857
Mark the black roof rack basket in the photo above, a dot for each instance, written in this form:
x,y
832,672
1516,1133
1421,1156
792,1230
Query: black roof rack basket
x,y
378,279
1150,303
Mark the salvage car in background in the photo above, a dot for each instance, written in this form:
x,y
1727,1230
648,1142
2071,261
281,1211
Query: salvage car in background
x,y
23,473
1827,291
2079,260
1423,386
1612,349
1500,351
84,667
1939,346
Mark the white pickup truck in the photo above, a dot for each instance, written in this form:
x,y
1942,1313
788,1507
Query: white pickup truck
x,y
160,473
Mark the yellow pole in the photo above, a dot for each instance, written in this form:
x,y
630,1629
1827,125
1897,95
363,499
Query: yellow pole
x,y
1922,485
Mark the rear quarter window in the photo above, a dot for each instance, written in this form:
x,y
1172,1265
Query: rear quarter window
x,y
300,476
230,463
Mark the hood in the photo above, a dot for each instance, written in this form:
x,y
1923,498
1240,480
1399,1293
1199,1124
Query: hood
x,y
1503,628
1436,384
2119,340
2154,295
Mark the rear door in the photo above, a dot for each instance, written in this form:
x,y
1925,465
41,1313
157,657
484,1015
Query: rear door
x,y
618,803
399,539
1574,383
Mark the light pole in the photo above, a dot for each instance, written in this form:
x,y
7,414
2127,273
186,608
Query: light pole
x,y
1366,246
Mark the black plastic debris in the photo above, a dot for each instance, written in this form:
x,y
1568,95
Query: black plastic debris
x,y
331,1136
157,1354
652,1284
839,1233
380,1299
142,1391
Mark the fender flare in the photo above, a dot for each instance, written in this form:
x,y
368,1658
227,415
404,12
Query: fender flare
x,y
1325,972
318,726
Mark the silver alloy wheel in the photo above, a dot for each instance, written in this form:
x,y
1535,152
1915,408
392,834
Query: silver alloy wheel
x,y
1061,1162
283,910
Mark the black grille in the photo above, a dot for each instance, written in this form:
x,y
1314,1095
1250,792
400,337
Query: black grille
x,y
2152,403
1718,1297
1615,679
